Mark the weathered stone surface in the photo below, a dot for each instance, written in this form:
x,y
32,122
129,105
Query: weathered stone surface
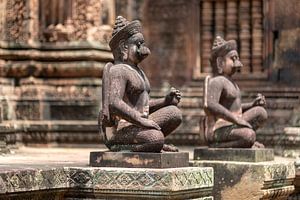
x,y
108,183
234,154
296,194
142,183
286,54
62,173
139,159
247,180
171,31
7,138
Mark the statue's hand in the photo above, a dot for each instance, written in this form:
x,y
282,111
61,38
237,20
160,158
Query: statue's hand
x,y
260,100
243,122
173,98
148,123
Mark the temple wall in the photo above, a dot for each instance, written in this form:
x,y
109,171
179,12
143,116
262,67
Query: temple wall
x,y
51,55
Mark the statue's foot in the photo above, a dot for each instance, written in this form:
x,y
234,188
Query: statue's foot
x,y
169,148
257,145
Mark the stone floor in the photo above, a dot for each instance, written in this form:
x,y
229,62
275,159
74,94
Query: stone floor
x,y
61,156
61,161
63,172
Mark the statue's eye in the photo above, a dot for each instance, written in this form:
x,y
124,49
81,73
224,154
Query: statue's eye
x,y
139,44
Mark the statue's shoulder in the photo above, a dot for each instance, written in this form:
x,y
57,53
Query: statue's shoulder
x,y
120,69
217,81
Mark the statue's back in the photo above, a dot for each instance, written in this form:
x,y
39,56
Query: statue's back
x,y
203,120
104,119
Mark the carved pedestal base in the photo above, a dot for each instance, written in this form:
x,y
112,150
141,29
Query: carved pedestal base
x,y
7,138
140,183
234,154
296,194
251,180
106,183
139,159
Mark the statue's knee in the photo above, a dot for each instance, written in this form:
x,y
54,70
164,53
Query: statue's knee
x,y
154,137
176,114
249,137
261,113
154,141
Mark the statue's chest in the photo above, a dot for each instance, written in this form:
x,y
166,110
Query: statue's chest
x,y
138,83
231,91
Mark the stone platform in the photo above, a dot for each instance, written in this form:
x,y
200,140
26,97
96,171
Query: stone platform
x,y
250,180
296,194
63,173
139,160
233,154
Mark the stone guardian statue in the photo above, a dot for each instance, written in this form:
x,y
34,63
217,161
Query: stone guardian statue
x,y
230,123
129,119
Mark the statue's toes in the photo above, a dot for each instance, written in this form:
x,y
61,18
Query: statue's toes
x,y
169,148
258,145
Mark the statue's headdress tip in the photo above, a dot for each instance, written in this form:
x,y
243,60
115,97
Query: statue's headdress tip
x,y
219,41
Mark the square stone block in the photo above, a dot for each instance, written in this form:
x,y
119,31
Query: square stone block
x,y
141,183
234,154
297,180
106,183
251,180
139,159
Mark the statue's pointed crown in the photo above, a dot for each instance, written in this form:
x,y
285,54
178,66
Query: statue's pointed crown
x,y
120,23
219,41
123,29
221,46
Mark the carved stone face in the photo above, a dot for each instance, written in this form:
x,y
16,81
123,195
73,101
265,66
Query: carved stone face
x,y
136,49
229,64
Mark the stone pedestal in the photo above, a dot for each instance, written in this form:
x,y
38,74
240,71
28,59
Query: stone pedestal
x,y
106,183
140,183
296,194
236,179
126,175
7,138
234,154
139,159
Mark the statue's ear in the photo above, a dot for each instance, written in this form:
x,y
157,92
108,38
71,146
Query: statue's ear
x,y
124,47
220,63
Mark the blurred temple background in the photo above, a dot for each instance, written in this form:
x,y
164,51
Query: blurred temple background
x,y
52,53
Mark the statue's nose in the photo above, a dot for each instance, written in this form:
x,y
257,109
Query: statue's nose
x,y
145,50
238,64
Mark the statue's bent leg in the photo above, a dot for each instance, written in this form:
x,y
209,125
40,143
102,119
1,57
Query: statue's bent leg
x,y
256,116
234,137
168,118
134,138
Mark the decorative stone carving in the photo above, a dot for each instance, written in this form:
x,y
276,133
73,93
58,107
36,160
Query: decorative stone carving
x,y
17,20
112,183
